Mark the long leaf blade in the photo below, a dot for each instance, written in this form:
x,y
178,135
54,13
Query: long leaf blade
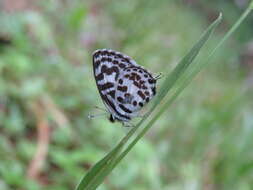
x,y
177,73
166,86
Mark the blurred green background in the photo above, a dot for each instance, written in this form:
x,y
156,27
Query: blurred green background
x,y
204,141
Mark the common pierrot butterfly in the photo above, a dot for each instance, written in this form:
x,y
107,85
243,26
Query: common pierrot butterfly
x,y
124,86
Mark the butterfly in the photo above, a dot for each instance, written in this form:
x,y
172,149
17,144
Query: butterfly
x,y
124,86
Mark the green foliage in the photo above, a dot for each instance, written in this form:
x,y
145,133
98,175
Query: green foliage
x,y
203,140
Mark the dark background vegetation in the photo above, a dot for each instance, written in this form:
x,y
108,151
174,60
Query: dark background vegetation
x,y
204,141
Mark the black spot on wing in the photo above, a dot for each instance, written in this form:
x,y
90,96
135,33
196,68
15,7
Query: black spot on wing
x,y
100,76
140,93
151,81
124,108
96,54
154,90
137,84
120,81
147,93
144,87
115,62
109,70
104,52
111,105
121,65
120,99
122,88
96,63
112,93
105,86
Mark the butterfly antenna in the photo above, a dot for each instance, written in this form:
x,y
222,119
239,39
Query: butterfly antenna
x,y
159,76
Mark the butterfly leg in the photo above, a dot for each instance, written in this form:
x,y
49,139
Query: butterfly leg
x,y
127,124
105,112
91,116
99,108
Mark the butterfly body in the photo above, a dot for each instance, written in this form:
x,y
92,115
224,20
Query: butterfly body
x,y
124,86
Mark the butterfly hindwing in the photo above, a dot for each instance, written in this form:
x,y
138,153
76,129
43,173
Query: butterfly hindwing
x,y
135,88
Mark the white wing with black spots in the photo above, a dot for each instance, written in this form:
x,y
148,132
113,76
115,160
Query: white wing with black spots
x,y
124,86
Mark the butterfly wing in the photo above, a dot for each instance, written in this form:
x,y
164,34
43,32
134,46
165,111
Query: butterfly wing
x,y
107,66
135,88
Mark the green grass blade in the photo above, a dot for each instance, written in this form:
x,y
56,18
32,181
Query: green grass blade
x,y
171,79
200,66
104,164
100,165
176,74
186,80
102,169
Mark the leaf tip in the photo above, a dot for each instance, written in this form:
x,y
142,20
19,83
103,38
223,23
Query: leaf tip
x,y
220,16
